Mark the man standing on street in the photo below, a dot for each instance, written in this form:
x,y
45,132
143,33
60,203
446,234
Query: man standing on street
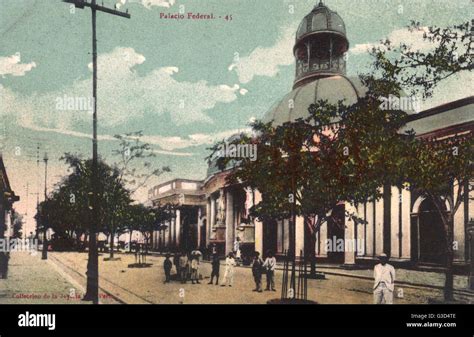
x,y
183,267
229,270
270,265
257,266
216,264
384,276
167,265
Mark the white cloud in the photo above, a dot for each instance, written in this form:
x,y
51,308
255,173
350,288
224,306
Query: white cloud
x,y
197,139
266,61
147,3
123,95
157,141
397,36
11,65
171,153
158,3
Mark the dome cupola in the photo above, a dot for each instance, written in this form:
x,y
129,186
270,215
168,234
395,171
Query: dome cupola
x,y
320,46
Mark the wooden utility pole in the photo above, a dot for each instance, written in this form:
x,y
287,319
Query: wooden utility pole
x,y
92,292
44,255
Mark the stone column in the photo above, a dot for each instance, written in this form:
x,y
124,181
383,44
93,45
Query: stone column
x,y
395,223
459,230
299,240
370,228
229,222
208,221
258,228
212,216
177,228
323,236
379,248
168,235
349,236
360,244
199,228
406,224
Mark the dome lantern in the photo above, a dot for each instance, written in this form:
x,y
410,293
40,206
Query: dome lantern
x,y
320,46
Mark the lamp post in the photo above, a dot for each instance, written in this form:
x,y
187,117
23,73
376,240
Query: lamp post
x,y
92,291
470,232
44,254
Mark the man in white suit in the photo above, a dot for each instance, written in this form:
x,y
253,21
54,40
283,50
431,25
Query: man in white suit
x,y
384,275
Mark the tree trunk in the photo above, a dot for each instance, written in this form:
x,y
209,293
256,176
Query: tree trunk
x,y
312,254
146,243
448,222
112,237
449,277
130,242
151,239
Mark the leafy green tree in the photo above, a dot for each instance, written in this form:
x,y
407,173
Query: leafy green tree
x,y
438,169
134,164
308,166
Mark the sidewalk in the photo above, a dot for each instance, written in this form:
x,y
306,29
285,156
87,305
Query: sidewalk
x,y
403,277
35,281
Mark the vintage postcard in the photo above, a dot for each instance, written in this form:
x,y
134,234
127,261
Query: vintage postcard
x,y
237,152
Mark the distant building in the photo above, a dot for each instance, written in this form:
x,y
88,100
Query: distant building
x,y
186,230
7,198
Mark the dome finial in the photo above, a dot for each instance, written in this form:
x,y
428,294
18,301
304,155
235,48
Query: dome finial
x,y
320,3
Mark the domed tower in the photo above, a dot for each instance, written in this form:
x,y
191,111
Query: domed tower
x,y
320,46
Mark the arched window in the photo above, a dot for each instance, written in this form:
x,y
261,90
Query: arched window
x,y
302,54
320,48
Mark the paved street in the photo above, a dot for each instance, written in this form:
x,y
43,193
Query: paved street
x,y
61,279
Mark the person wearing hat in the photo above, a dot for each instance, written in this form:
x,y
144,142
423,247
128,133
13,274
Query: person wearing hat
x,y
167,265
384,276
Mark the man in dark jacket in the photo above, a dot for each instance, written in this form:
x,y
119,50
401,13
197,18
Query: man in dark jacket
x,y
167,265
257,267
216,264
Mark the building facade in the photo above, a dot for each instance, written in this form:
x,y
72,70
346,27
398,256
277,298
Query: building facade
x,y
185,230
7,198
402,224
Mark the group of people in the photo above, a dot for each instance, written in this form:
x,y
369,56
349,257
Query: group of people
x,y
187,267
266,267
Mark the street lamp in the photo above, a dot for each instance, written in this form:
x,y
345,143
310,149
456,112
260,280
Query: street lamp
x,y
470,232
92,291
44,254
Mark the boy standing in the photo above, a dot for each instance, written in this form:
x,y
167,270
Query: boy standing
x,y
384,281
194,269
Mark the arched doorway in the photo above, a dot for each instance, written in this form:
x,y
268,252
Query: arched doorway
x,y
336,234
270,236
431,236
